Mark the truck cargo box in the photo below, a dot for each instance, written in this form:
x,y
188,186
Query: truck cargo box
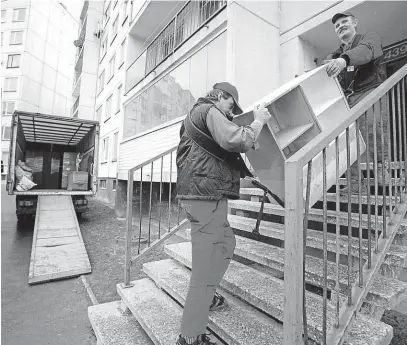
x,y
49,145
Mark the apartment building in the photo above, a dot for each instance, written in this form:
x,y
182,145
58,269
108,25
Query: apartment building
x,y
36,61
87,54
110,89
174,51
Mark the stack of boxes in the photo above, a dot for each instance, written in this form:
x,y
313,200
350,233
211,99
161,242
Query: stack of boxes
x,y
68,165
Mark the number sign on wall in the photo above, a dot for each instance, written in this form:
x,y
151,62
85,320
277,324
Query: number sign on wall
x,y
395,52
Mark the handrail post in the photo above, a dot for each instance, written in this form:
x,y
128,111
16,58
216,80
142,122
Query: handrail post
x,y
129,226
293,254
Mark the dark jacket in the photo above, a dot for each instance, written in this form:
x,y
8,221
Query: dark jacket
x,y
201,175
363,59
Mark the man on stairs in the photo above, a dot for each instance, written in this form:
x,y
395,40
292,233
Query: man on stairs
x,y
209,168
357,64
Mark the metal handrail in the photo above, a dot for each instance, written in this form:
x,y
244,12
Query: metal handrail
x,y
296,213
129,210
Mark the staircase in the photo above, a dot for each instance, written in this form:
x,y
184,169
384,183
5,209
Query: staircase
x,y
253,286
341,233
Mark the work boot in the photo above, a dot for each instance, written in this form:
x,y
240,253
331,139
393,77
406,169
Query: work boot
x,y
219,302
202,339
354,188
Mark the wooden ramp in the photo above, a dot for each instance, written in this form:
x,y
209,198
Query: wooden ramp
x,y
58,250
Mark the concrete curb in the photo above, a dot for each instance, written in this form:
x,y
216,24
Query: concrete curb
x,y
89,291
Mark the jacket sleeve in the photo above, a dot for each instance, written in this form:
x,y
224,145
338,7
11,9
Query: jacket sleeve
x,y
229,135
369,48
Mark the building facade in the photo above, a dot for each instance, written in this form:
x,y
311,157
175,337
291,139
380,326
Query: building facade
x,y
176,50
36,61
87,53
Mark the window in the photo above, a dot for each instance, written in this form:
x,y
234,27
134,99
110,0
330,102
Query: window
x,y
103,48
122,50
123,13
105,149
5,132
99,113
7,108
13,61
114,184
115,142
16,37
3,16
114,28
102,184
112,65
119,98
19,15
101,82
109,107
10,84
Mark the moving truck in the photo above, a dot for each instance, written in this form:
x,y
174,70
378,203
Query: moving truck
x,y
62,153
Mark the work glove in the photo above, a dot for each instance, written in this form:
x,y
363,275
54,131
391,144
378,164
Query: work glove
x,y
335,66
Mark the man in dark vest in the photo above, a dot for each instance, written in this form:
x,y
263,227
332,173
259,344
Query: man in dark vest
x,y
209,168
357,64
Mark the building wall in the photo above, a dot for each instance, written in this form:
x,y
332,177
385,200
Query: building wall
x,y
260,46
113,86
47,57
86,56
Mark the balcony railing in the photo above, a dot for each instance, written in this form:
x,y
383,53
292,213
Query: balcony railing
x,y
183,26
75,106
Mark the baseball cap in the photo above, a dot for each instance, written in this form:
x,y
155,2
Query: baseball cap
x,y
231,90
340,15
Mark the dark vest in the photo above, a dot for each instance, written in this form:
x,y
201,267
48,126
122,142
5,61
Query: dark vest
x,y
201,175
364,77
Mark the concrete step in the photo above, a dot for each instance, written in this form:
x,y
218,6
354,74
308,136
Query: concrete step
x,y
385,292
239,323
113,328
256,193
158,314
395,259
267,294
245,206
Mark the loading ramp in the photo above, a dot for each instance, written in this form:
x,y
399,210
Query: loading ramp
x,y
58,250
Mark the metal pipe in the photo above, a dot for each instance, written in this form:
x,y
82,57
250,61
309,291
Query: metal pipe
x,y
169,195
400,140
325,246
376,182
390,220
161,190
393,98
337,254
129,225
369,211
141,209
360,203
349,216
305,229
384,167
149,211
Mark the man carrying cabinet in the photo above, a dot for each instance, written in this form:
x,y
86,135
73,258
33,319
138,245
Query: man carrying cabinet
x,y
209,168
357,64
